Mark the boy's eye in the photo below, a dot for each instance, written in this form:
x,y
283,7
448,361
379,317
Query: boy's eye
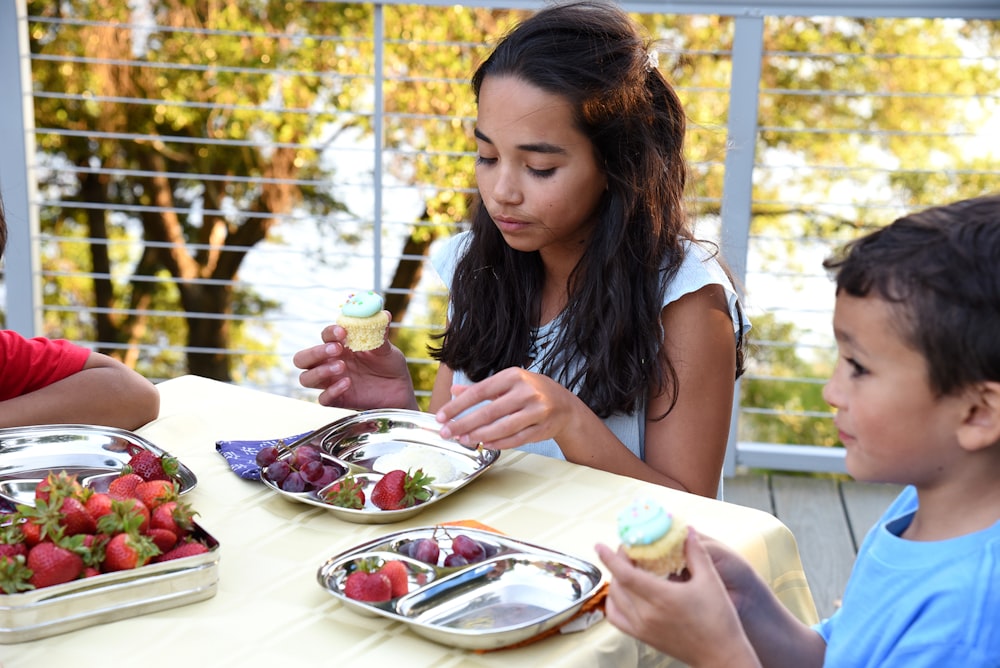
x,y
856,369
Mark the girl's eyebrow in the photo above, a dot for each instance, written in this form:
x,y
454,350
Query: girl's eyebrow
x,y
539,147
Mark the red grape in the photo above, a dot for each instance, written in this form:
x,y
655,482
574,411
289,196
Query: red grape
x,y
278,471
468,548
267,455
455,559
312,471
425,550
293,482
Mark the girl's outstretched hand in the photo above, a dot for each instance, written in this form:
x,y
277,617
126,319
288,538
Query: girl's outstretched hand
x,y
691,618
357,380
524,407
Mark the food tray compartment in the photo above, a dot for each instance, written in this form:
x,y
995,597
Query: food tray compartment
x,y
94,454
108,597
516,592
371,443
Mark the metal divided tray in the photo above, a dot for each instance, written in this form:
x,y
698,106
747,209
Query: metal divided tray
x,y
93,453
516,592
108,597
371,443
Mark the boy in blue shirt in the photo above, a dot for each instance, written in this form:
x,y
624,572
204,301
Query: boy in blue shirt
x,y
917,394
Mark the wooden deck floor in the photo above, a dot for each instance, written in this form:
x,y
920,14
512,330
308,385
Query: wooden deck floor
x,y
828,517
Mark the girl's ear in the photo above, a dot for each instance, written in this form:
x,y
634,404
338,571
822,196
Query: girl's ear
x,y
981,427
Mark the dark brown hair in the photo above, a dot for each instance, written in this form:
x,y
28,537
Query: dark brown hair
x,y
592,54
938,268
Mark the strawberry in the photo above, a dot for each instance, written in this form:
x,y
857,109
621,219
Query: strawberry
x,y
75,518
186,549
174,516
14,575
98,505
126,516
12,540
51,565
154,492
398,576
150,466
164,539
348,493
124,485
127,550
59,485
398,489
370,587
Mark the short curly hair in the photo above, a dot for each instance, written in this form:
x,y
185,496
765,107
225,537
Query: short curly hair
x,y
938,268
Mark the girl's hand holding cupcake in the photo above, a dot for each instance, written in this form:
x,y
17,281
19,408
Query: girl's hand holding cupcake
x,y
358,380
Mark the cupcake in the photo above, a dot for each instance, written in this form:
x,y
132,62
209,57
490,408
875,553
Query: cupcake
x,y
652,537
365,321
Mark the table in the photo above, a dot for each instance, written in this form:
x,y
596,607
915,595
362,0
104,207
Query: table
x,y
269,609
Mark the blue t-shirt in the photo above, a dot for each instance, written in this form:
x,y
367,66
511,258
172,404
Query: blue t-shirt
x,y
918,604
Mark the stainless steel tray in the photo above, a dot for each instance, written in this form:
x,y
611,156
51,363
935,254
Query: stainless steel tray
x,y
108,597
369,444
93,453
518,591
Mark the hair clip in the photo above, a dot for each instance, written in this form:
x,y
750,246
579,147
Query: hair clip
x,y
652,60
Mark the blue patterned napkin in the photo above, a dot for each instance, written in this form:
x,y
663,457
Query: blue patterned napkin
x,y
242,455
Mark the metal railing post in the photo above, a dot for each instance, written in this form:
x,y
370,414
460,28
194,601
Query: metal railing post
x,y
17,180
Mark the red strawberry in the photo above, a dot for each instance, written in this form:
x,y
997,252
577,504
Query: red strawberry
x,y
348,493
399,489
126,550
14,575
187,549
174,516
370,587
51,565
11,540
59,485
164,539
126,516
98,505
75,518
398,576
150,466
154,492
32,532
124,485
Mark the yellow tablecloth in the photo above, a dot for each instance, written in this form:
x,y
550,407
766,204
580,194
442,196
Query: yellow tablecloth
x,y
269,609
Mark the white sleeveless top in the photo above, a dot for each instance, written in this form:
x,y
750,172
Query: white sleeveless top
x,y
699,268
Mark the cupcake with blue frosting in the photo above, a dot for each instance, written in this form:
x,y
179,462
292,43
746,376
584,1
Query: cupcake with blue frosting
x,y
652,537
365,321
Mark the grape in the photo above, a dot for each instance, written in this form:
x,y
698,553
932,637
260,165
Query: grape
x,y
312,471
455,559
305,454
425,550
267,455
330,473
278,471
293,482
469,549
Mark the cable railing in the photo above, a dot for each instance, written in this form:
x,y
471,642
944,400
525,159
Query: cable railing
x,y
180,174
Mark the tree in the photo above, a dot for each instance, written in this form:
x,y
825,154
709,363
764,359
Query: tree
x,y
203,130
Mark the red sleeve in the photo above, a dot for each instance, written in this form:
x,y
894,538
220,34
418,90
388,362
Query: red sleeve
x,y
29,364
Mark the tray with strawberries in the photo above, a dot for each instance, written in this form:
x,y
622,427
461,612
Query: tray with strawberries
x,y
94,454
373,467
74,554
462,586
